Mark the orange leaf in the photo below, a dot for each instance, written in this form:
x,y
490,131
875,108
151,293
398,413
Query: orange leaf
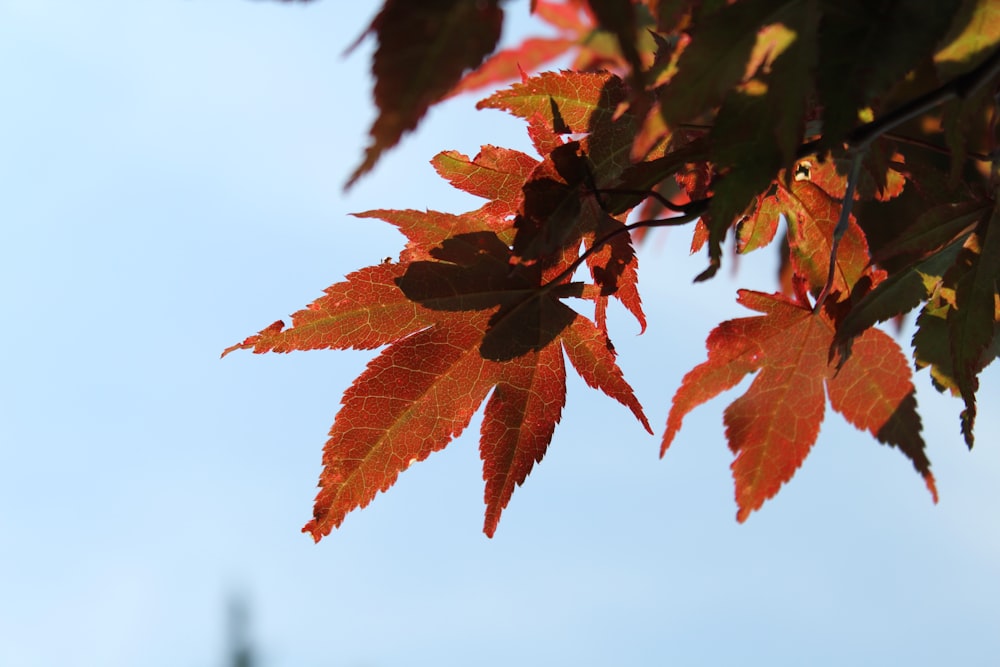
x,y
773,425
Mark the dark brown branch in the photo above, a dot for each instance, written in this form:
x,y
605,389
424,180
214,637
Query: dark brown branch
x,y
960,87
926,145
664,202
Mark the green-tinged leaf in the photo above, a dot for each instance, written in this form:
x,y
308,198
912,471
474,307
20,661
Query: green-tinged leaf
x,y
672,15
936,228
583,99
931,347
716,59
974,33
865,48
733,195
619,18
968,119
972,323
423,50
759,227
496,174
759,128
901,292
888,224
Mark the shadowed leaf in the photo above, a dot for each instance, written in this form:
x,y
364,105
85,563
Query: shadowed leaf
x,y
423,50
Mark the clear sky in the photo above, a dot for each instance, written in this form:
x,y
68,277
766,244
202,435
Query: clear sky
x,y
170,182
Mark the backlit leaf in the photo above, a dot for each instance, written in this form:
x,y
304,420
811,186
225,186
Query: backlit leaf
x,y
812,216
496,174
772,427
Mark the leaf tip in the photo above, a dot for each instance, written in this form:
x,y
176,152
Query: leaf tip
x,y
673,426
251,341
931,485
709,272
314,531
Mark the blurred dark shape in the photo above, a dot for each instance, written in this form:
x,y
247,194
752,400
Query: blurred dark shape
x,y
241,652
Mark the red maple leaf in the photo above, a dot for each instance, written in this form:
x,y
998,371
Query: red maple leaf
x,y
772,426
461,318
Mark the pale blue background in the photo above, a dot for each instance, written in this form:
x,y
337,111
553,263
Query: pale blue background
x,y
170,182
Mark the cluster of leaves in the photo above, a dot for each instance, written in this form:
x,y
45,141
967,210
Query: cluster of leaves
x,y
870,128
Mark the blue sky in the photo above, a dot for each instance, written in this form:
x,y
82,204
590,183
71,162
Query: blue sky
x,y
171,182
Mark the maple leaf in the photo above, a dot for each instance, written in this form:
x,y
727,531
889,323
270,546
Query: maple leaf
x,y
882,176
931,246
772,427
898,294
528,56
496,174
423,50
758,229
759,125
619,18
812,216
897,36
716,59
974,32
561,204
509,64
577,102
460,319
972,317
732,113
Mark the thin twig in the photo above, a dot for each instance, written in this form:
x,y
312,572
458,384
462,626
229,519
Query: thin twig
x,y
860,140
842,224
695,210
666,203
857,143
960,87
943,150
